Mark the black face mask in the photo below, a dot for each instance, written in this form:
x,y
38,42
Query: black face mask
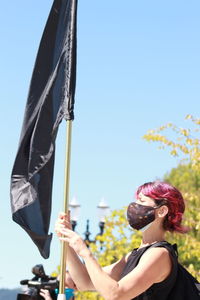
x,y
139,216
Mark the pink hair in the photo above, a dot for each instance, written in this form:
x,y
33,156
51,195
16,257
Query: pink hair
x,y
162,191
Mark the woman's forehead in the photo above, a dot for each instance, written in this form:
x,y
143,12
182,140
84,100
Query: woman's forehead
x,y
143,197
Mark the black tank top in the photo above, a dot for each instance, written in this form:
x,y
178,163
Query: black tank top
x,y
158,290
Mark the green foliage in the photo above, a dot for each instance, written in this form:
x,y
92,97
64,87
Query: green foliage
x,y
185,177
187,180
186,142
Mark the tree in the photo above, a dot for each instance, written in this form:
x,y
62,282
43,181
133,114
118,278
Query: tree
x,y
186,177
186,142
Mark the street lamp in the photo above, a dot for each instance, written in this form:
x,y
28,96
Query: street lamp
x,y
87,235
74,212
103,211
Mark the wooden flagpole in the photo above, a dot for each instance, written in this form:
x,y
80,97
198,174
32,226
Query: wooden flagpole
x,y
64,245
61,295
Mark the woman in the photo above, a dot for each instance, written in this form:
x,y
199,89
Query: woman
x,y
146,272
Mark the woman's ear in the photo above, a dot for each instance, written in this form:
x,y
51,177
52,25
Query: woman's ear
x,y
163,211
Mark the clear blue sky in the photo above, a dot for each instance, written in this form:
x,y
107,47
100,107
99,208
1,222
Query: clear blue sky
x,y
138,68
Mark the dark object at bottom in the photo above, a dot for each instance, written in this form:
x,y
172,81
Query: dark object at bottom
x,y
38,282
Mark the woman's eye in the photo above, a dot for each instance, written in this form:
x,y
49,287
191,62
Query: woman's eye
x,y
141,201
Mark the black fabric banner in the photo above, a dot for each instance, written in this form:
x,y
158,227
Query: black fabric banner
x,y
50,99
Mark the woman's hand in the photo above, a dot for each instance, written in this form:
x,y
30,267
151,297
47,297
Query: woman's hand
x,y
62,222
64,231
45,294
75,241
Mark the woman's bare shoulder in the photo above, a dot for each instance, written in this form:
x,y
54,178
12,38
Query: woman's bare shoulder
x,y
155,253
158,259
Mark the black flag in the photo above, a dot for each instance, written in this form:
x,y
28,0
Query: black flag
x,y
50,99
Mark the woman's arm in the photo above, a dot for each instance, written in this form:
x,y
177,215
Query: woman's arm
x,y
77,269
154,266
115,270
79,273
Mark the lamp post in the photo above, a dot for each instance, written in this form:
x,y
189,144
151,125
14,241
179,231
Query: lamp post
x,y
103,211
74,212
87,235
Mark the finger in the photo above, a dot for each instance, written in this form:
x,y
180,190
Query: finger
x,y
68,218
61,231
66,225
64,239
63,225
59,234
65,236
42,293
62,216
65,220
60,226
66,232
